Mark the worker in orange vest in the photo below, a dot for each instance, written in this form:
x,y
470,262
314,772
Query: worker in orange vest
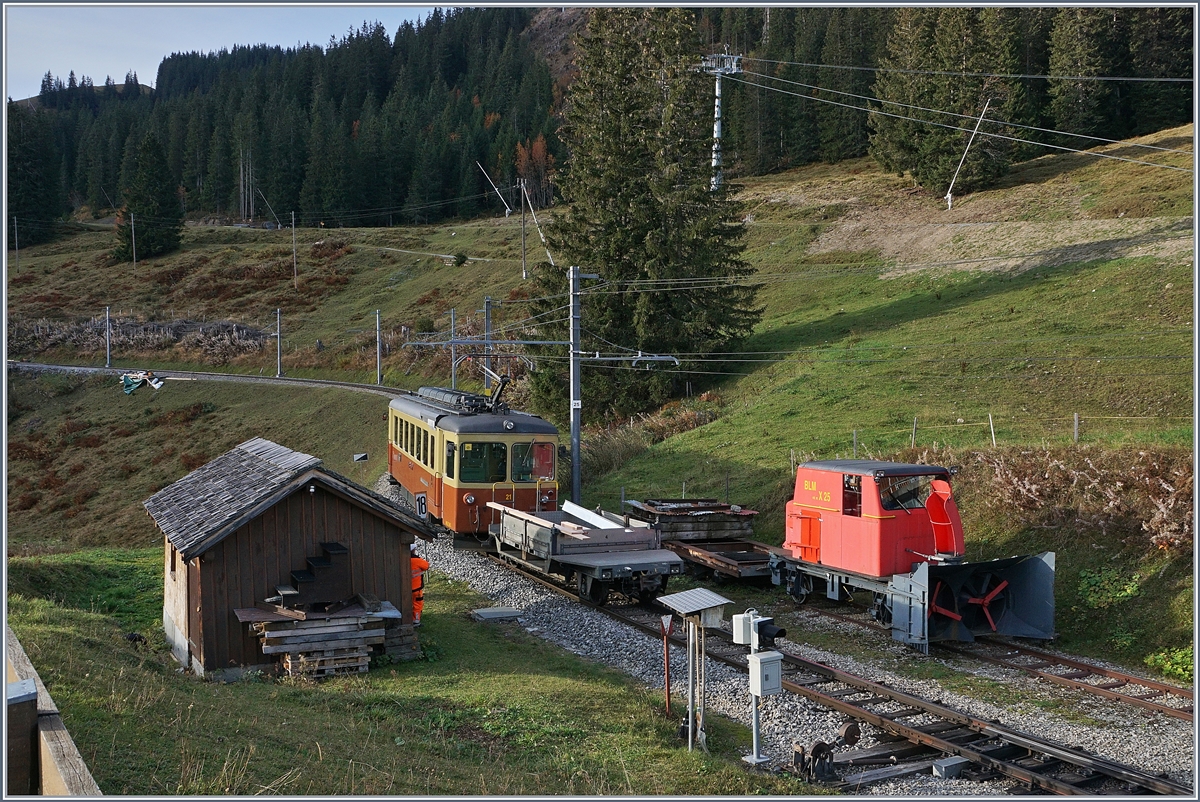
x,y
419,566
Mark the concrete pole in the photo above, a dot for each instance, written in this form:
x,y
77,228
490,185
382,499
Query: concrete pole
x,y
453,355
295,269
716,149
107,340
133,237
487,343
524,271
378,351
17,242
576,390
278,343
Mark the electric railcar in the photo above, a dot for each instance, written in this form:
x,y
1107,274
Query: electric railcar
x,y
451,452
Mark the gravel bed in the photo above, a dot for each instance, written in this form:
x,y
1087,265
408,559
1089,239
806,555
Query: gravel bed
x,y
1148,741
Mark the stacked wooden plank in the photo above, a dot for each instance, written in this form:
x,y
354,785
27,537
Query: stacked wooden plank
x,y
322,646
400,641
694,519
327,662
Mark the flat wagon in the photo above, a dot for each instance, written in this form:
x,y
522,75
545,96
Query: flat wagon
x,y
712,536
597,551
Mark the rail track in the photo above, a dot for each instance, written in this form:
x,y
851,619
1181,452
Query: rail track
x,y
916,731
1148,694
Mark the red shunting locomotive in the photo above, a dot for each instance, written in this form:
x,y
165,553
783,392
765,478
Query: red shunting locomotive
x,y
893,529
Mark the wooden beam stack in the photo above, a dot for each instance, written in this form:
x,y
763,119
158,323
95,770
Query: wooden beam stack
x,y
322,646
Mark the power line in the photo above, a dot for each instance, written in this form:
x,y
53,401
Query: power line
x,y
972,74
966,116
964,130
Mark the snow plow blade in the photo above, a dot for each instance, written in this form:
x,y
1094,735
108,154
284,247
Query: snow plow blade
x,y
1013,596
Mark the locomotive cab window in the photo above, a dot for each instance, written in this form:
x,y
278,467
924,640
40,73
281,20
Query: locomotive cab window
x,y
533,461
450,460
905,492
483,462
851,495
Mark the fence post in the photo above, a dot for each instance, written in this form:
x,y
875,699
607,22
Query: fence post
x,y
854,432
107,340
992,426
1076,427
913,443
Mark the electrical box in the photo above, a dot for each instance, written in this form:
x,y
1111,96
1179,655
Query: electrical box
x,y
743,624
766,673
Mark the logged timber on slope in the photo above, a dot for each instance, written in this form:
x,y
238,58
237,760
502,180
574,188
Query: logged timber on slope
x,y
452,452
893,529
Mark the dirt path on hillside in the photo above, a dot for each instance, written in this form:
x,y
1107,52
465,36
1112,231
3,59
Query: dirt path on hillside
x,y
1010,246
1038,217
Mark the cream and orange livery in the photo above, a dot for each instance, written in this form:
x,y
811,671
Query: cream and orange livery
x,y
452,452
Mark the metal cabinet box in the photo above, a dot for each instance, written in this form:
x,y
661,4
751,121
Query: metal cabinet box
x,y
766,673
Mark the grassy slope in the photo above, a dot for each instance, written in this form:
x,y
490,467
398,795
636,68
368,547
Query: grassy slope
x,y
83,456
492,711
1078,265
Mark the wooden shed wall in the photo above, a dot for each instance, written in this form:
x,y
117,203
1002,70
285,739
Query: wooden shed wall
x,y
246,566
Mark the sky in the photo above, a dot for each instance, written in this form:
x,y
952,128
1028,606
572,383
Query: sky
x,y
100,40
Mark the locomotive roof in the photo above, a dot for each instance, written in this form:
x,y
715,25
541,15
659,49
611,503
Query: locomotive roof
x,y
873,467
450,419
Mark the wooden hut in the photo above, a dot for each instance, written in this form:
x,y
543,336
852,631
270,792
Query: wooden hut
x,y
265,534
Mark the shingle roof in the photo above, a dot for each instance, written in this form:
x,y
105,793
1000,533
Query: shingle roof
x,y
212,501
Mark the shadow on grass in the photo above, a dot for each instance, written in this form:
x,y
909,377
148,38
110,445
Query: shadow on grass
x,y
914,307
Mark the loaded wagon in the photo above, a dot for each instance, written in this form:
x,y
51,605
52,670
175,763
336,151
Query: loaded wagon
x,y
597,551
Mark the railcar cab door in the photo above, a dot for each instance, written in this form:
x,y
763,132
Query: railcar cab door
x,y
533,475
859,536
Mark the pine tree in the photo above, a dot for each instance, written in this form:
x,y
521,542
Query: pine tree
x,y
152,212
1080,49
1160,46
33,186
802,138
897,131
942,67
641,209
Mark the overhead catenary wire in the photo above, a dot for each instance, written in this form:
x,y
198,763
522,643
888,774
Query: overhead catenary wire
x,y
991,134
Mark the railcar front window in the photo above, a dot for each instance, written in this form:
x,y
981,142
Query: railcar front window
x,y
483,462
533,461
905,492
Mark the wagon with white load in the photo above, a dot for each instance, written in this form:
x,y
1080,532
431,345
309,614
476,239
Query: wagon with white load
x,y
598,552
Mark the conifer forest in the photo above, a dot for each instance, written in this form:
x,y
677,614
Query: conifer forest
x,y
381,128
